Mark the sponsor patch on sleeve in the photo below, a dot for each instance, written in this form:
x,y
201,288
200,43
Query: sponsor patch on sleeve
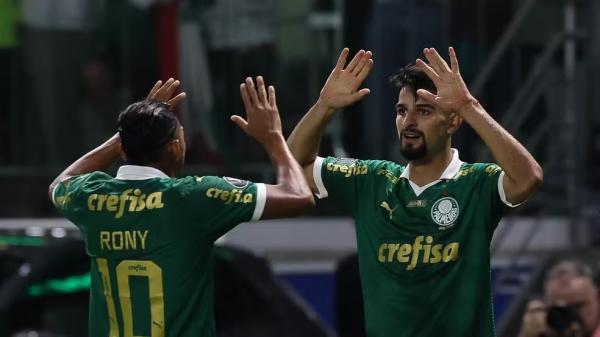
x,y
237,183
492,169
345,161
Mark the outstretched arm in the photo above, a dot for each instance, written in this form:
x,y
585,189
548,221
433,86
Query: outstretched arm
x,y
102,157
291,196
340,90
523,174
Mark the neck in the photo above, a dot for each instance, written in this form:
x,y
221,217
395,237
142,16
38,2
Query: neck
x,y
166,169
427,170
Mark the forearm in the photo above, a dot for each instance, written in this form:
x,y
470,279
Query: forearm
x,y
519,166
305,140
291,196
99,159
289,172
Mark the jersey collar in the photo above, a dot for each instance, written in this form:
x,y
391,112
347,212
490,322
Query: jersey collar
x,y
135,172
451,170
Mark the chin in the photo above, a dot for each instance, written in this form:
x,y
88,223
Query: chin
x,y
413,153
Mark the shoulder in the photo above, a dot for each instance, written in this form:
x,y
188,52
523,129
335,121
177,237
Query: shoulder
x,y
478,170
360,167
86,180
207,184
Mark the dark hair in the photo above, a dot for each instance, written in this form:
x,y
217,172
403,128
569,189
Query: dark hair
x,y
566,269
413,78
145,127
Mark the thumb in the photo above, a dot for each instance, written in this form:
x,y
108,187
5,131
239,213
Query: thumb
x,y
426,95
357,96
239,121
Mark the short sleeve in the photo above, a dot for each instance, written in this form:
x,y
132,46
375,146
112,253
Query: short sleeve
x,y
492,181
66,195
344,179
222,203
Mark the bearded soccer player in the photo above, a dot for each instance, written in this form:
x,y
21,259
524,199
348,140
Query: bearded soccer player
x,y
423,229
149,233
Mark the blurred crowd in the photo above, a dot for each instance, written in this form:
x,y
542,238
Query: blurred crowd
x,y
69,66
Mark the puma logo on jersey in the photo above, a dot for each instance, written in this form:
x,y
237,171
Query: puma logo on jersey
x,y
137,199
386,206
422,250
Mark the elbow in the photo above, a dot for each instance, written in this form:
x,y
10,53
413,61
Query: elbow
x,y
306,200
303,202
531,184
537,176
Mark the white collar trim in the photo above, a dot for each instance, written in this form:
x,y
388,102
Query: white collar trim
x,y
451,170
136,172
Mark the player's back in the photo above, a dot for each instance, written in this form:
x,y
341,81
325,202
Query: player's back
x,y
151,242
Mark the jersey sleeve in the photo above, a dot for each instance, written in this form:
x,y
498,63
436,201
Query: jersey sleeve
x,y
492,181
67,196
222,203
343,179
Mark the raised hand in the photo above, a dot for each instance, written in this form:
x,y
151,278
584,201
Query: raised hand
x,y
262,117
163,92
341,88
452,92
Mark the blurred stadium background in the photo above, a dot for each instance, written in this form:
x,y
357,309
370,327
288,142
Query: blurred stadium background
x,y
67,67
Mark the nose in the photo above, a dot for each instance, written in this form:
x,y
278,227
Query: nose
x,y
410,119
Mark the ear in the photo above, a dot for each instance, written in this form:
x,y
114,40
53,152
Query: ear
x,y
174,147
454,122
122,154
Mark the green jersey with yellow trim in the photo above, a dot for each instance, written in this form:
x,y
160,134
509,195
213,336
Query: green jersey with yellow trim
x,y
151,239
423,251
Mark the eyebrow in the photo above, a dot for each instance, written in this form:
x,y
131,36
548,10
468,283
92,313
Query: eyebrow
x,y
424,105
418,105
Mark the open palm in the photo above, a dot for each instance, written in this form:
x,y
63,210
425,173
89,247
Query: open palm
x,y
341,88
452,92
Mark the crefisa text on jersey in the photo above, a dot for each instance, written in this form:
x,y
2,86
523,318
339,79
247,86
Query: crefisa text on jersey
x,y
410,254
137,199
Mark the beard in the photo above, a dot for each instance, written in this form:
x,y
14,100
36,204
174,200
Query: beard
x,y
413,152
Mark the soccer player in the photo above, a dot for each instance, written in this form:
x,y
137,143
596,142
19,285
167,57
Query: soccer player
x,y
423,229
149,233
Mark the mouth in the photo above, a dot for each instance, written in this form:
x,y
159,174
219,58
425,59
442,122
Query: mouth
x,y
411,135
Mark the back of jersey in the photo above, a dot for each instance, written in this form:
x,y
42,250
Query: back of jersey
x,y
150,238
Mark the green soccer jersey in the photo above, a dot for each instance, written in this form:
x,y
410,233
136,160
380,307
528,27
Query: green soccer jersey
x,y
151,239
423,251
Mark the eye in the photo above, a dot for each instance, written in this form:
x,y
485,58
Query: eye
x,y
424,112
401,111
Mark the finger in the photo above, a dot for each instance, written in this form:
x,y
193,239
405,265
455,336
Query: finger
x,y
272,98
362,63
239,121
251,89
428,71
365,70
430,61
175,101
426,95
453,61
439,62
361,93
341,62
159,95
355,60
154,89
171,89
262,92
245,96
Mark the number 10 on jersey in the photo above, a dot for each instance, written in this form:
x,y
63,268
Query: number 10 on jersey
x,y
124,270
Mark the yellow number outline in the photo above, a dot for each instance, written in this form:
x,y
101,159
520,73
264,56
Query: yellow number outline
x,y
125,269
